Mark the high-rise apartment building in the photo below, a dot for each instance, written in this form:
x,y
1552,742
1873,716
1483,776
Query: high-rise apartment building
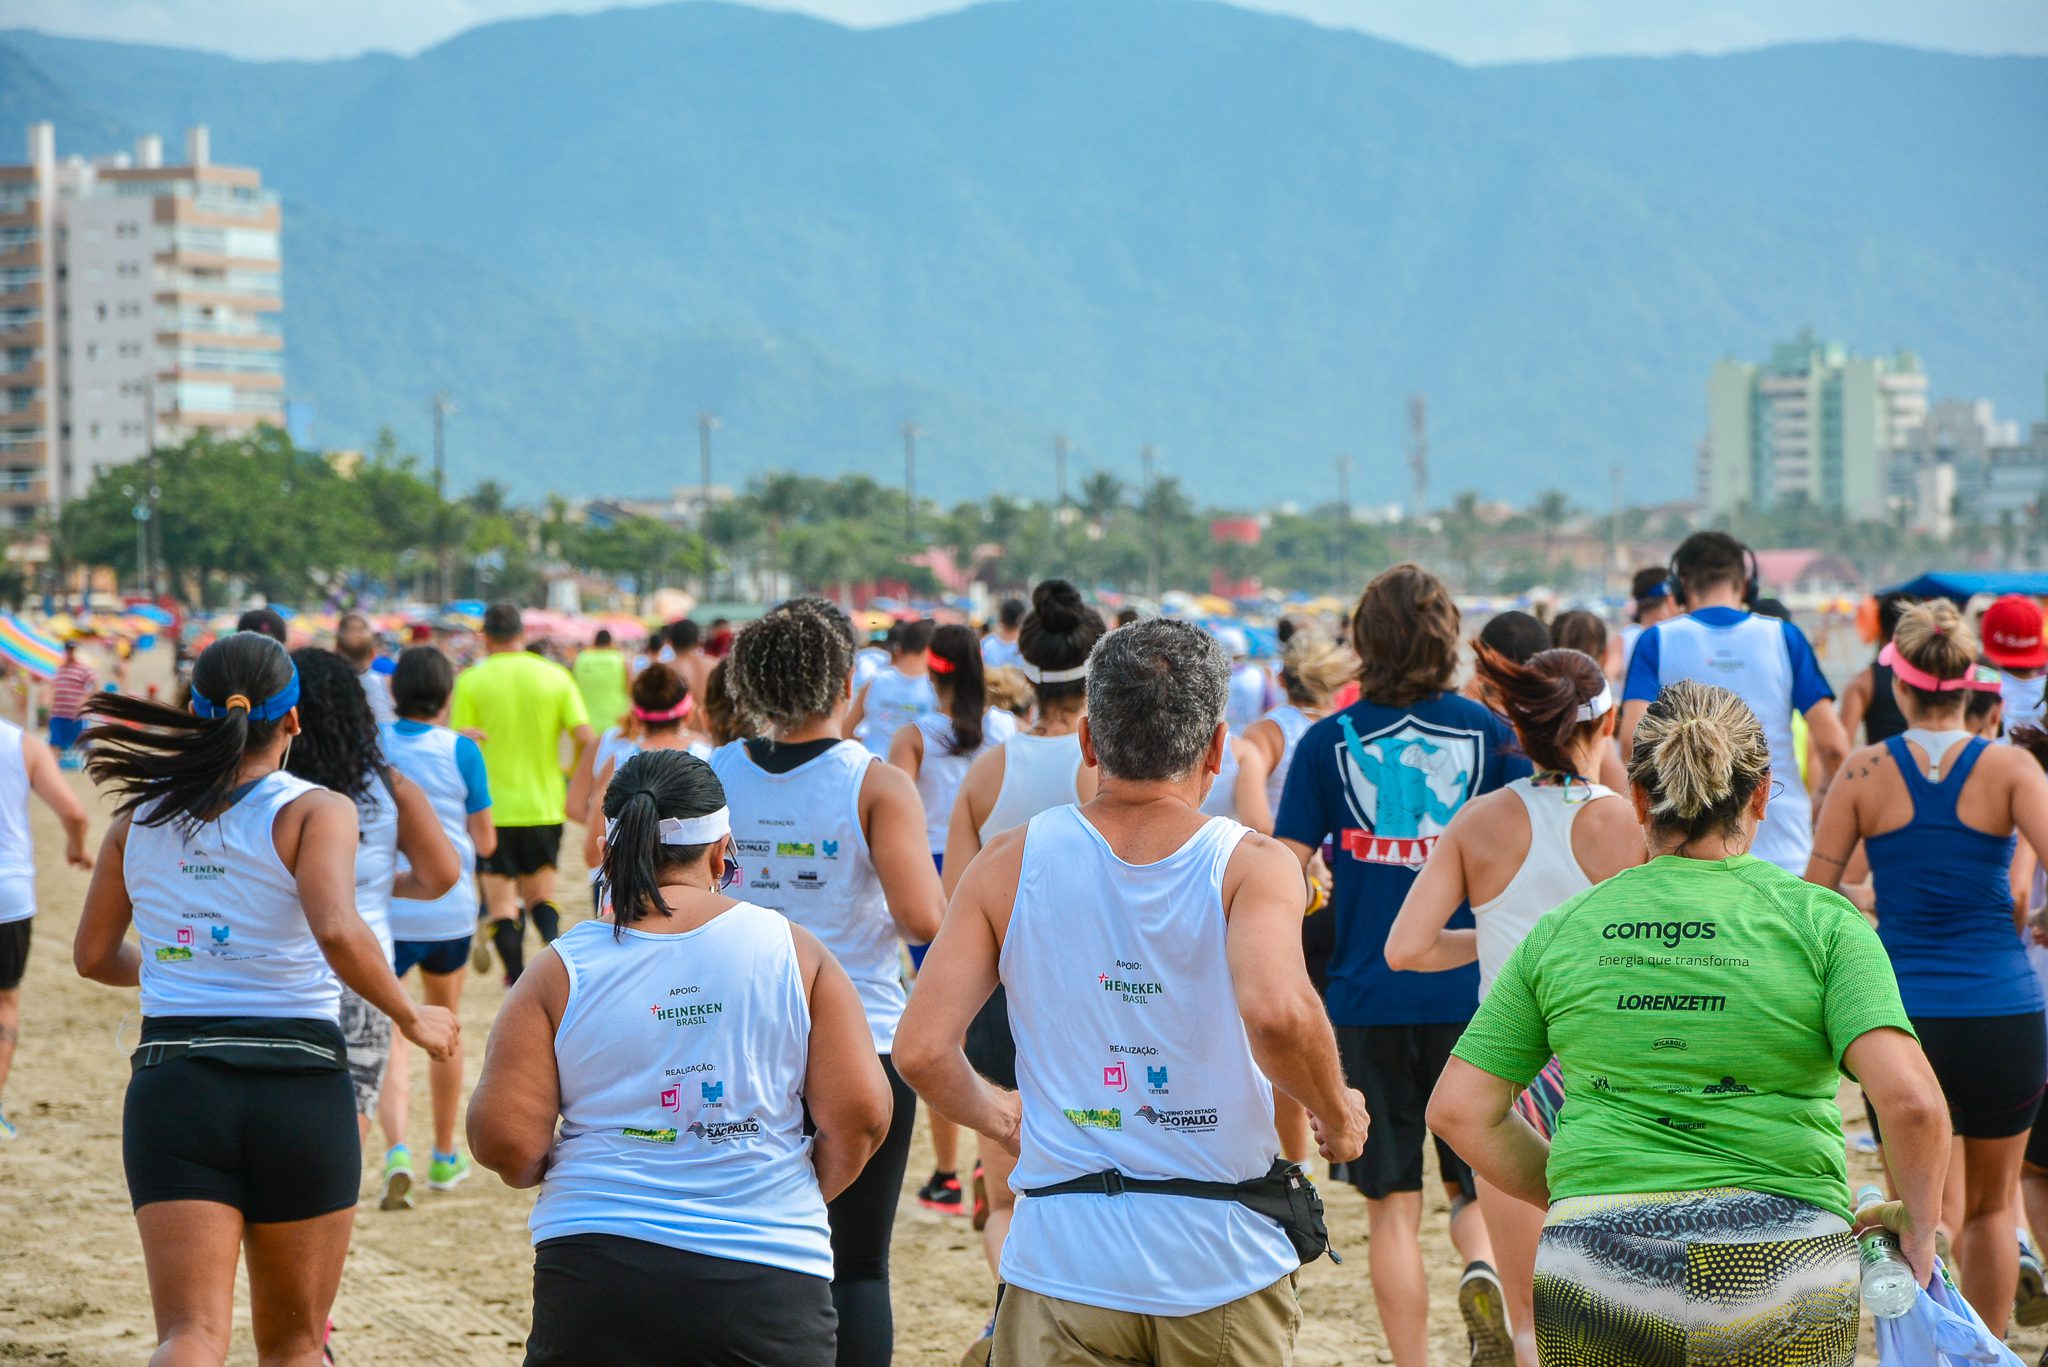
x,y
138,303
1813,422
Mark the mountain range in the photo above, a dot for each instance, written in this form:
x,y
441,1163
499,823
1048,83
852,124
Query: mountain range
x,y
1241,237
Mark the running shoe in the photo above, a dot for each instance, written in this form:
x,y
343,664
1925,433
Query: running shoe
x,y
327,1345
980,1198
2030,1300
447,1172
1484,1306
978,1352
397,1179
942,1194
7,1130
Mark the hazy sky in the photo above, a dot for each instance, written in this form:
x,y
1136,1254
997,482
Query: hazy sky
x,y
1468,30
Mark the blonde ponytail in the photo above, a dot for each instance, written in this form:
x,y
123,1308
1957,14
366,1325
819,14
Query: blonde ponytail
x,y
1700,754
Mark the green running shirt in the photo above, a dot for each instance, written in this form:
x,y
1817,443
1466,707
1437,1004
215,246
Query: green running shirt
x,y
1700,1010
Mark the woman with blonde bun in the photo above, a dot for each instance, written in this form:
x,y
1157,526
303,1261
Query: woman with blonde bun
x,y
1702,1008
1312,669
1938,811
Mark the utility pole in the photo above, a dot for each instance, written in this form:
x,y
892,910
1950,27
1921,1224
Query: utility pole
x,y
1343,523
1614,474
1060,447
707,423
153,541
1418,453
443,406
911,432
1148,456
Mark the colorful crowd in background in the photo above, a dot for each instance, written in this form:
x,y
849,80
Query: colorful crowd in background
x,y
1150,914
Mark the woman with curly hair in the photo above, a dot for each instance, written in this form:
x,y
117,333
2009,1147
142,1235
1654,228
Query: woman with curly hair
x,y
337,749
834,839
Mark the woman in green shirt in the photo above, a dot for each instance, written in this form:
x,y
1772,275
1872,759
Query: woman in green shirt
x,y
1703,1007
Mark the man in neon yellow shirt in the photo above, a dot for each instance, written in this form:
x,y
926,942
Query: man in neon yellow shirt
x,y
518,707
603,680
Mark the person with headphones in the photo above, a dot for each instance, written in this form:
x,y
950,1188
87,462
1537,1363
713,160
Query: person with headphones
x,y
1766,662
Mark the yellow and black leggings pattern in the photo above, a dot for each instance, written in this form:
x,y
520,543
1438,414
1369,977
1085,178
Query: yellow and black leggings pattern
x,y
1723,1278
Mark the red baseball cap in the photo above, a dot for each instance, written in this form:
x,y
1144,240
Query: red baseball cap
x,y
2012,634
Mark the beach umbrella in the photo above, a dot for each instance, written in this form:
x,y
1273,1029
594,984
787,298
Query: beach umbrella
x,y
30,648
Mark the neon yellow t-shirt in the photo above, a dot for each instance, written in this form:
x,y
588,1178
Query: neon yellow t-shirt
x,y
601,679
1700,1010
523,705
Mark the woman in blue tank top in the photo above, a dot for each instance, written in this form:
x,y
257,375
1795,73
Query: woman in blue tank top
x,y
683,1044
1938,811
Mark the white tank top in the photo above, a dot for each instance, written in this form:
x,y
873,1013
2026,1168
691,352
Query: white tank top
x,y
798,840
682,1061
1222,798
1294,724
894,701
17,847
428,759
218,916
1248,685
941,772
1038,772
1549,877
1131,1055
613,747
376,858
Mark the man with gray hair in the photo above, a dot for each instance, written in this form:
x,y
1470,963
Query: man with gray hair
x,y
1153,962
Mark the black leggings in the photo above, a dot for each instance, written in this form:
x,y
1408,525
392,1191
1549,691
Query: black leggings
x,y
863,1218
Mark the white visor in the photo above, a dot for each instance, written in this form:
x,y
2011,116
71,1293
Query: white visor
x,y
1598,706
688,830
1045,676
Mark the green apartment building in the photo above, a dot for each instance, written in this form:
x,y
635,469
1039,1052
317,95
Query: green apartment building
x,y
1813,422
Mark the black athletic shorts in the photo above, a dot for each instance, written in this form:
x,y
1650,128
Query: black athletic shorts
x,y
524,850
1991,1070
276,1146
625,1302
1397,1066
990,1046
14,952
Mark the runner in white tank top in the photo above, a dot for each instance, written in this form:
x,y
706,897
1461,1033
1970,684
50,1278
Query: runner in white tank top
x,y
715,1084
1312,669
835,842
27,765
891,701
941,769
1121,929
242,902
1514,854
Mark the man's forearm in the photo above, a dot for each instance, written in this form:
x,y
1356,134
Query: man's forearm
x,y
1300,1058
954,1090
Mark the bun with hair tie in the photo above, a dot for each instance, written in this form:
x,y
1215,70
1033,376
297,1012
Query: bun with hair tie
x,y
236,700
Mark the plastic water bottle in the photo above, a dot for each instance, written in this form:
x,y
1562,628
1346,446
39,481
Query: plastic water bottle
x,y
1889,1288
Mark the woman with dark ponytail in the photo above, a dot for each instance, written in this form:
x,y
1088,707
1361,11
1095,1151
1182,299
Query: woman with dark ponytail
x,y
661,712
936,750
239,880
682,1045
1512,855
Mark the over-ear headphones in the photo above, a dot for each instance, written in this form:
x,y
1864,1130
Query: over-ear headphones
x,y
1752,590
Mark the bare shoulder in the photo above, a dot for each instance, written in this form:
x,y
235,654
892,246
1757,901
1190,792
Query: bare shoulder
x,y
1261,857
1867,762
884,780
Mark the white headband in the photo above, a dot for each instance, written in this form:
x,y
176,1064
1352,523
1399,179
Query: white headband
x,y
1598,706
689,830
1045,676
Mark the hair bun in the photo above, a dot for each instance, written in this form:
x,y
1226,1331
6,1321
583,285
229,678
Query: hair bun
x,y
1058,606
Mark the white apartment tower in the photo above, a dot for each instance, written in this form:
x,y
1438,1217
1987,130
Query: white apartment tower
x,y
138,302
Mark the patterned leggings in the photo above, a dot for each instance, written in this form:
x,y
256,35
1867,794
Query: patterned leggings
x,y
1724,1278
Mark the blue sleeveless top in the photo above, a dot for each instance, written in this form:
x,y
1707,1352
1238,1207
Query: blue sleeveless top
x,y
1944,902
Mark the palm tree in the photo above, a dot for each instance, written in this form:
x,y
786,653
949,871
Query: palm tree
x,y
1102,498
1551,508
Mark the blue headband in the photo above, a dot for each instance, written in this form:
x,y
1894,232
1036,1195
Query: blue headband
x,y
270,709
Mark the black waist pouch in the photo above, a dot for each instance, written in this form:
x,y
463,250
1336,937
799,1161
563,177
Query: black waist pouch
x,y
251,1044
1284,1195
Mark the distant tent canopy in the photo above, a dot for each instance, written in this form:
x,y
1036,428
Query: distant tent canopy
x,y
1963,587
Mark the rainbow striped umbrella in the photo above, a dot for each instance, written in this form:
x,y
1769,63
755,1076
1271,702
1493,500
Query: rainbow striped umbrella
x,y
30,648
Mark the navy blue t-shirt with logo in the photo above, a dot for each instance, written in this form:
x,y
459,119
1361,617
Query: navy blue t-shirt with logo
x,y
1381,783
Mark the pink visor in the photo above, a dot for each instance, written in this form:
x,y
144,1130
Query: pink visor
x,y
1915,677
676,713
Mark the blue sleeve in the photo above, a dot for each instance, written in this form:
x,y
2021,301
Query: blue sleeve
x,y
1302,817
1642,683
1809,685
469,762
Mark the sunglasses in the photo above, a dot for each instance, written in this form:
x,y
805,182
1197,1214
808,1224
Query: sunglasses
x,y
730,874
